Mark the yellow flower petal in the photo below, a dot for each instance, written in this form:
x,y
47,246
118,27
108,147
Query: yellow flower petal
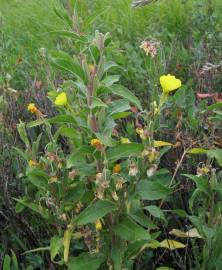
x,y
32,163
98,225
117,168
61,99
96,143
32,108
169,83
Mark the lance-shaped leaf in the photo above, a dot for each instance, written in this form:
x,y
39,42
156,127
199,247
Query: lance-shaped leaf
x,y
152,190
125,93
124,151
130,231
95,211
86,261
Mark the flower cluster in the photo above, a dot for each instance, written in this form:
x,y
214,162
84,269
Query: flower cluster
x,y
150,47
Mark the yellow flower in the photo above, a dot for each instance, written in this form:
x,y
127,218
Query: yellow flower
x,y
125,140
98,225
32,108
169,83
117,168
61,99
32,163
96,143
139,131
91,68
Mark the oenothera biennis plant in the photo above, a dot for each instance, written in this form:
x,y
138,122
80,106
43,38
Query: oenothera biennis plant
x,y
101,189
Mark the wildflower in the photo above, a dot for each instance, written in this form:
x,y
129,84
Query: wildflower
x,y
119,184
91,68
53,179
125,140
133,170
150,172
202,171
32,108
144,134
150,154
78,207
115,196
61,99
32,163
42,52
117,168
139,131
72,174
99,193
98,225
150,47
99,177
96,143
63,217
169,83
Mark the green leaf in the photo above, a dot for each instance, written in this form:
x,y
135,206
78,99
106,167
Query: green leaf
x,y
7,263
181,213
56,244
110,80
217,105
68,132
86,261
108,65
201,182
164,268
143,220
66,244
152,190
126,94
95,211
155,211
124,151
197,151
106,140
130,231
62,119
59,119
38,178
39,249
135,248
68,34
121,115
22,133
78,154
14,260
118,106
91,18
217,154
22,153
171,244
117,253
65,62
96,102
35,207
